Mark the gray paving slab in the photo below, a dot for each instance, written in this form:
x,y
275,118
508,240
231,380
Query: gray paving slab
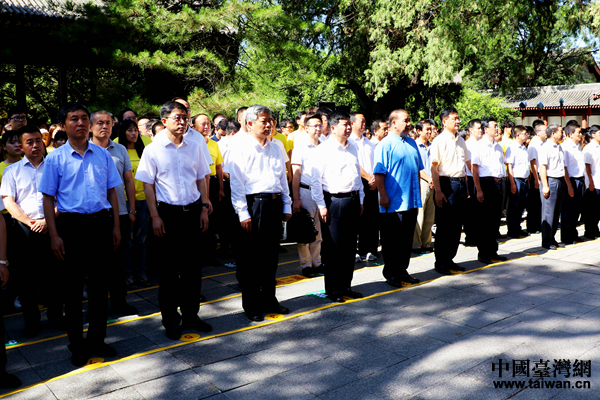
x,y
148,367
465,388
40,392
274,388
128,393
182,385
205,352
284,357
366,359
233,373
321,376
367,389
86,385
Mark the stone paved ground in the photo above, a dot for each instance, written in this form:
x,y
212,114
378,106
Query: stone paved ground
x,y
436,340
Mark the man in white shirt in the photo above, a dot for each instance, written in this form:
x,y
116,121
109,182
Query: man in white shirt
x,y
19,191
552,177
470,228
574,169
426,214
517,161
488,173
340,205
173,169
368,230
260,196
534,205
591,155
380,131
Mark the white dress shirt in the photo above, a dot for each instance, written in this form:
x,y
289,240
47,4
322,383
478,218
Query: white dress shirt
x,y
336,171
490,158
471,143
591,155
304,155
551,155
173,169
194,136
451,154
574,162
519,158
234,142
366,152
21,181
257,169
534,149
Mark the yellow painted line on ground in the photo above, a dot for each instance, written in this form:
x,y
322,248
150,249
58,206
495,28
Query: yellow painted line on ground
x,y
266,323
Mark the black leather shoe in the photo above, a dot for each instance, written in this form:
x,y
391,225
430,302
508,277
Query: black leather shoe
x,y
308,272
456,267
513,235
125,309
202,299
319,269
443,270
522,233
103,350
485,260
336,297
409,279
497,257
198,325
9,381
31,331
254,316
551,247
560,245
278,310
80,358
351,293
395,282
173,332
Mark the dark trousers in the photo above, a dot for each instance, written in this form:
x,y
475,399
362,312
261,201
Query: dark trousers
x,y
339,241
118,266
516,206
534,207
551,207
591,204
209,237
397,230
449,219
180,276
469,221
368,230
571,208
489,213
257,254
88,246
228,228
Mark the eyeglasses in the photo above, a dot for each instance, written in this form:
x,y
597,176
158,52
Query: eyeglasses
x,y
19,118
315,126
179,118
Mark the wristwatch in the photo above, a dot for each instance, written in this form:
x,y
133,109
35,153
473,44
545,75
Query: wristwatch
x,y
5,262
134,212
205,205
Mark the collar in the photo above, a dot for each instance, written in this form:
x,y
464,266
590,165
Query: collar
x,y
450,135
26,161
165,141
71,150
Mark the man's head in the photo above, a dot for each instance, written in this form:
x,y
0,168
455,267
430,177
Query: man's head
x,y
325,111
450,119
31,141
573,132
217,118
259,121
538,122
540,131
423,129
474,128
313,124
184,103
142,125
489,127
241,117
358,123
594,132
399,121
17,117
555,133
174,116
221,128
127,113
301,118
201,123
507,128
74,118
233,127
339,125
287,126
379,129
102,124
520,134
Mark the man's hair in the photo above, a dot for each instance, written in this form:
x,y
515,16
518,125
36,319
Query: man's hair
x,y
530,130
507,124
156,126
223,124
27,129
354,114
473,122
313,116
394,115
486,122
573,122
325,111
375,125
420,125
299,115
570,129
285,121
233,127
519,129
253,112
16,110
122,112
195,117
169,106
240,111
462,133
180,98
593,129
432,122
217,116
69,108
537,122
151,123
446,113
551,129
100,112
60,134
335,116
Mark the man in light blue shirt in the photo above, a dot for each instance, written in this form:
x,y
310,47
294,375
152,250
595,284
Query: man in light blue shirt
x,y
82,176
397,166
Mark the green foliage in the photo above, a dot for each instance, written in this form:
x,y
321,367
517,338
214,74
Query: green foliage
x,y
473,104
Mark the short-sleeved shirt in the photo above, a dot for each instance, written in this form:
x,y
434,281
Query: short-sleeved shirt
x,y
470,143
303,155
551,155
490,158
118,152
451,154
174,170
135,164
215,155
191,135
80,183
21,180
399,160
534,149
424,152
518,156
591,156
574,161
366,152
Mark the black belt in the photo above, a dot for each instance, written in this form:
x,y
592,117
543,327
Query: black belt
x,y
353,193
490,178
100,214
454,178
302,185
174,208
263,196
551,177
580,178
522,179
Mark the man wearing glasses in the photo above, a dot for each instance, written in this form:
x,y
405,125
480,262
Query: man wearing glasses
x,y
17,117
173,169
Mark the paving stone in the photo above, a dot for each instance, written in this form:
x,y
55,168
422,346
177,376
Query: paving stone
x,y
234,372
182,385
367,389
566,308
148,367
284,357
40,392
366,359
273,388
87,384
462,387
473,317
205,352
128,393
442,330
320,377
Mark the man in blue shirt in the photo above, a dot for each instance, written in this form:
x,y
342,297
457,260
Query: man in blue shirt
x,y
82,177
397,166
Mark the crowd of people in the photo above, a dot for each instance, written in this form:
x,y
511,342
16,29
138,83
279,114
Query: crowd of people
x,y
225,186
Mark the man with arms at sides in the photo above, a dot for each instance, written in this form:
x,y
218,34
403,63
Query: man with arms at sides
x,y
82,177
575,168
426,214
517,161
488,167
380,131
101,130
449,162
368,230
260,195
552,177
173,169
302,166
469,223
21,197
534,204
398,170
339,195
591,154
